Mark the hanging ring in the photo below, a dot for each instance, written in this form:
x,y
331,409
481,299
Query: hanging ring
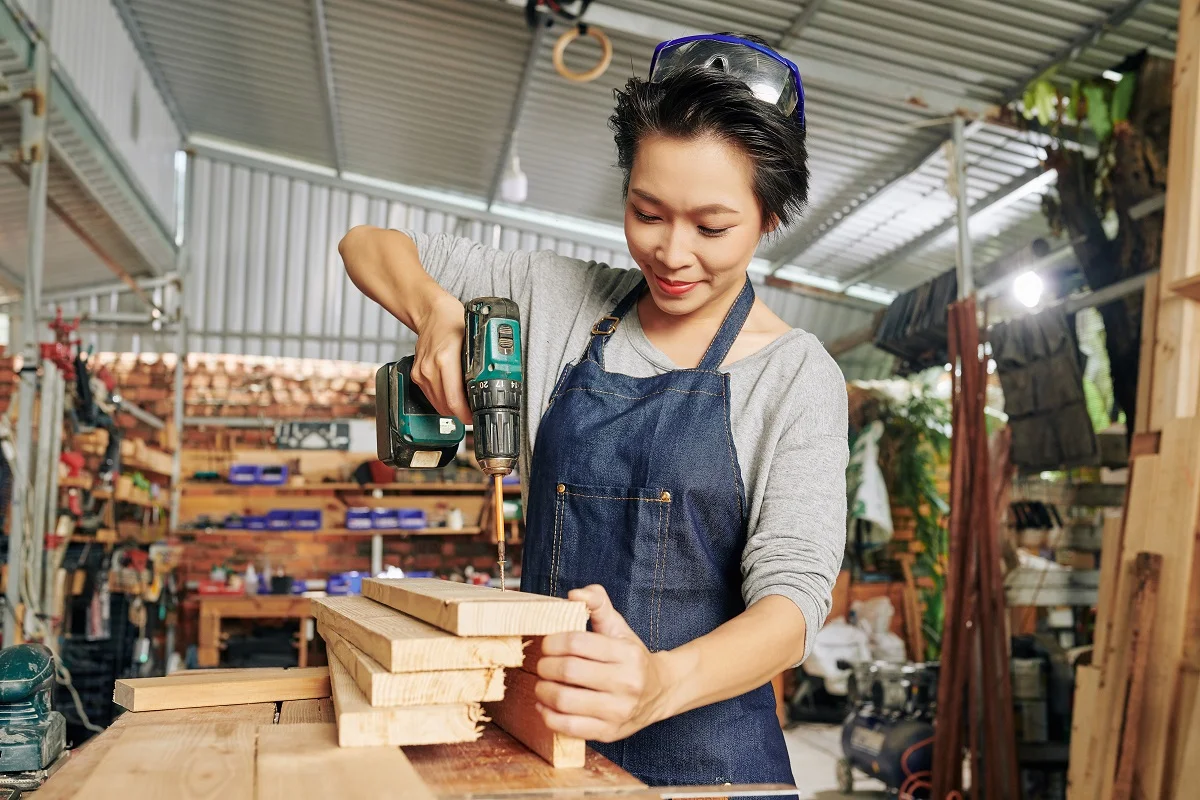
x,y
570,35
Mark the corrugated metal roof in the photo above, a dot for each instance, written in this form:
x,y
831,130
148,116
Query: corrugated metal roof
x,y
245,71
424,89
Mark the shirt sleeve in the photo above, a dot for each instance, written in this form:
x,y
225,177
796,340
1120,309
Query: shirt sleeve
x,y
797,545
467,269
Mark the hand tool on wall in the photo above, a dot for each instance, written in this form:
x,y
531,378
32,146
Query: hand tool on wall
x,y
411,434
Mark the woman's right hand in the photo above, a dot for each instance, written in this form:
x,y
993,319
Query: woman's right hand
x,y
437,365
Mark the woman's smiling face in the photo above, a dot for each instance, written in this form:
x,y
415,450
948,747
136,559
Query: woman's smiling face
x,y
692,221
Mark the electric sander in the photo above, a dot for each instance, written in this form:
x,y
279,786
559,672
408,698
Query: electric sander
x,y
33,735
410,432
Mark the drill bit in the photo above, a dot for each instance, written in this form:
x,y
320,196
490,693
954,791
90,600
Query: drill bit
x,y
498,491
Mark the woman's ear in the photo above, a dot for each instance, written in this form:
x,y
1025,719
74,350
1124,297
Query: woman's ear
x,y
770,224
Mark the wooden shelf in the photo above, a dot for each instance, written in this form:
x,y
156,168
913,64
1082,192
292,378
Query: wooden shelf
x,y
107,494
1188,287
200,488
77,482
466,531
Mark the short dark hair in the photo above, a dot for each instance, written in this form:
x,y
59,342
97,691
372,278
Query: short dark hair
x,y
700,102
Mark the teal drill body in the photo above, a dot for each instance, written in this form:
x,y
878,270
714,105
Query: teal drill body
x,y
410,432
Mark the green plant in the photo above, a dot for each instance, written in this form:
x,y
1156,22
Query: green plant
x,y
1101,102
916,439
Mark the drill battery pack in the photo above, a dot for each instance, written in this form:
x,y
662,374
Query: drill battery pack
x,y
410,433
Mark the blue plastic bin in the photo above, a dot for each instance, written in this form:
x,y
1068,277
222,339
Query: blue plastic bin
x,y
385,518
358,519
412,519
272,474
243,473
306,519
279,519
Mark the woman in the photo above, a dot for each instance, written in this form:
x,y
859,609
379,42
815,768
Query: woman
x,y
685,449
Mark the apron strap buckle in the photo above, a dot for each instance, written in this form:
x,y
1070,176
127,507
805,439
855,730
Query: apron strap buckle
x,y
600,329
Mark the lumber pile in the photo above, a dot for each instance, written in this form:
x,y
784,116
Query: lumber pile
x,y
424,661
1140,695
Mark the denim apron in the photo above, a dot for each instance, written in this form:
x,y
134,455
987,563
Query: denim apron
x,y
635,486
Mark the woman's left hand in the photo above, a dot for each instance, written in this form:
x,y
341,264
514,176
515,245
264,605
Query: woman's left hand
x,y
602,685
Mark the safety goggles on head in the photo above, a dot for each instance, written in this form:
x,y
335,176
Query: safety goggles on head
x,y
771,77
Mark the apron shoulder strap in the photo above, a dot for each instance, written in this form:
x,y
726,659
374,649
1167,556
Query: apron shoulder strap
x,y
607,326
731,326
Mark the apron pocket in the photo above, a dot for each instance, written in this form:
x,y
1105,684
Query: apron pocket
x,y
616,537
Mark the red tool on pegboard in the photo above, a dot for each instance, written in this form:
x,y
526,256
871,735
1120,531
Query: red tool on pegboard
x,y
60,350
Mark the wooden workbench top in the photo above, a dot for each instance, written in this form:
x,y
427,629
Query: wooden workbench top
x,y
494,766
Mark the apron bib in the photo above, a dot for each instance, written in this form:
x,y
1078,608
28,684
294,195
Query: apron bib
x,y
635,485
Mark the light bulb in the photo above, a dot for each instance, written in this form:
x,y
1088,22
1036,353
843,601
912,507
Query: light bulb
x,y
1027,288
514,186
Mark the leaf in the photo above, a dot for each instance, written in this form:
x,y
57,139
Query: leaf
x,y
1098,114
1122,100
1071,113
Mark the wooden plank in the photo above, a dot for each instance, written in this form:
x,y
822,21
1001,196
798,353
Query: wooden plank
x,y
1188,287
82,761
1113,659
1110,563
533,654
517,715
199,688
433,687
1145,384
295,712
360,725
1189,773
498,759
401,643
191,762
255,713
296,761
1176,377
1172,533
1145,605
1087,689
467,610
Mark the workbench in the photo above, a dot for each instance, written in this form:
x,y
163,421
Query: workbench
x,y
496,767
214,608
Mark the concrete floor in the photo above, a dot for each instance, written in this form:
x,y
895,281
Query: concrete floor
x,y
815,750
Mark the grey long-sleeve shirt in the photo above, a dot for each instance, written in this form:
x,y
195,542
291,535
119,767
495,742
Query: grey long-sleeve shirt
x,y
788,403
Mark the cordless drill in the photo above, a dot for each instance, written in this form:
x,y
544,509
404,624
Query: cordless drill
x,y
411,434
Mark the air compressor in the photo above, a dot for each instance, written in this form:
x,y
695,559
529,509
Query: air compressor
x,y
889,732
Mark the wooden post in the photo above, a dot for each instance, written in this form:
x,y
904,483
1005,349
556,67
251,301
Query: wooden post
x,y
1176,375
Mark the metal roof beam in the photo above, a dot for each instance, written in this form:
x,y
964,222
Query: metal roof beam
x,y
872,192
528,73
1020,184
321,39
792,34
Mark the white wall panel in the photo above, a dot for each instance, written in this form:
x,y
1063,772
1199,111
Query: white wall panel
x,y
266,277
93,51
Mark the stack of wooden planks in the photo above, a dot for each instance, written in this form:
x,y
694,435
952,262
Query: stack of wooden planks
x,y
1137,706
419,661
